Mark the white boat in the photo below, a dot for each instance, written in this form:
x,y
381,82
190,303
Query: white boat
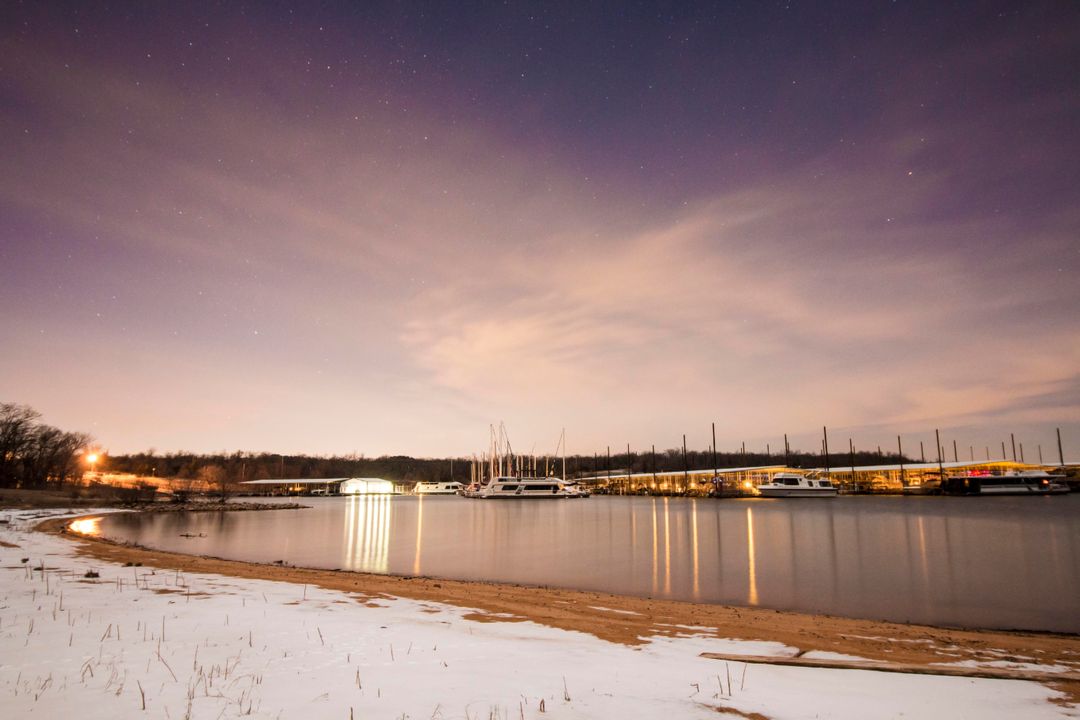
x,y
575,489
424,487
784,485
927,486
535,488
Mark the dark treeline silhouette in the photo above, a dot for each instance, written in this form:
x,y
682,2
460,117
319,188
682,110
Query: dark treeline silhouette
x,y
235,467
671,460
35,455
239,466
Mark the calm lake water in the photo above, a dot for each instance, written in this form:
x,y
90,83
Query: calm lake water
x,y
975,562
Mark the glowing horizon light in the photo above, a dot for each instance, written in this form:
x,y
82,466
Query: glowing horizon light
x,y
86,526
367,486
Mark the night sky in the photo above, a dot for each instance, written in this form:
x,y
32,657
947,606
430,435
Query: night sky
x,y
379,227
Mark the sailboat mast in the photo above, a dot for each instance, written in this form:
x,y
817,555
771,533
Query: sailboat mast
x,y
562,443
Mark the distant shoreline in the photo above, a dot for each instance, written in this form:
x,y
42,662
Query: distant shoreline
x,y
22,499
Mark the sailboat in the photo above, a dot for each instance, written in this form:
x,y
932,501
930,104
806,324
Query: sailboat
x,y
509,476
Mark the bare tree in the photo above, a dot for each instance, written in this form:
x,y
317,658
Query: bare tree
x,y
51,456
216,480
17,423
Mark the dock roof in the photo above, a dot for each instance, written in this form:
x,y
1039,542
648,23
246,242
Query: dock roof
x,y
895,467
296,481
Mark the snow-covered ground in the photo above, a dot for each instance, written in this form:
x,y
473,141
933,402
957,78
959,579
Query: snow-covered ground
x,y
140,641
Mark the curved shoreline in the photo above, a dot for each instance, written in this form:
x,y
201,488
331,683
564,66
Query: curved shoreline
x,y
632,620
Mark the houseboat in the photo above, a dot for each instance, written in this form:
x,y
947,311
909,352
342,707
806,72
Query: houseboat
x,y
535,488
787,485
424,487
1028,482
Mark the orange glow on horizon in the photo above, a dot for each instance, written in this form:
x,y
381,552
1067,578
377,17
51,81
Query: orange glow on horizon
x,y
86,526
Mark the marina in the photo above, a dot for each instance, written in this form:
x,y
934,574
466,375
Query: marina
x,y
961,478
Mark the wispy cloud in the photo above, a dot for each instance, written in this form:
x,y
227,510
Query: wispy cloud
x,y
754,309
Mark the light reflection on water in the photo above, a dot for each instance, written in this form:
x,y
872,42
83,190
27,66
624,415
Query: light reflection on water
x,y
367,533
419,534
751,571
694,535
990,562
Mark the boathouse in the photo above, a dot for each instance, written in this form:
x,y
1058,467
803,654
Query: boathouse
x,y
322,486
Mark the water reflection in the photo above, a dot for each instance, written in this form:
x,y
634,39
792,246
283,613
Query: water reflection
x,y
367,533
693,530
667,548
1011,563
655,549
923,564
752,598
419,533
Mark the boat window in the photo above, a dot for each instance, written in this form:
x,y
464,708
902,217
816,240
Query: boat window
x,y
791,481
540,488
509,488
824,483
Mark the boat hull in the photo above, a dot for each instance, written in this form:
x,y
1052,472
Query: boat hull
x,y
796,492
1013,490
523,496
991,485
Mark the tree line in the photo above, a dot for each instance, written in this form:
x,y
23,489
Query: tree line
x,y
236,467
36,455
231,468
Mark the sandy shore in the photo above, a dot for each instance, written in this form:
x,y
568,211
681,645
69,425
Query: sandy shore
x,y
633,620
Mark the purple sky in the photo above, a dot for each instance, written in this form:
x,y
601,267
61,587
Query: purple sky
x,y
345,227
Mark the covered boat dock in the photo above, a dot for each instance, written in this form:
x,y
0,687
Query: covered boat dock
x,y
322,486
892,478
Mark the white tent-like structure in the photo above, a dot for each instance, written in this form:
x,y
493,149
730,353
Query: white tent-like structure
x,y
366,486
344,486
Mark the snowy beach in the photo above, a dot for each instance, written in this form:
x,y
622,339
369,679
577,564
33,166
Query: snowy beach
x,y
86,635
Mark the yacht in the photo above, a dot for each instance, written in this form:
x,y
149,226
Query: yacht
x,y
1028,482
523,487
796,485
424,487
